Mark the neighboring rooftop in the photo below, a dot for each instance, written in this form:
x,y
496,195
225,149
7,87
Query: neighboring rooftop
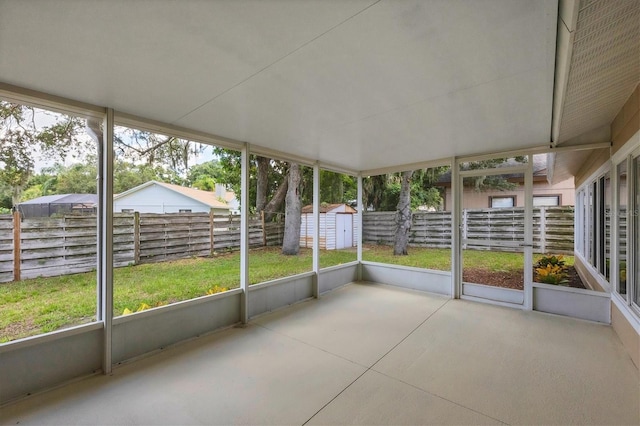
x,y
324,208
64,199
206,197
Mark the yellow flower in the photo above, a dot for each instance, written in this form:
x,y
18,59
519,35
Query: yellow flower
x,y
143,307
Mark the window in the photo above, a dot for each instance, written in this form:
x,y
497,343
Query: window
x,y
606,211
585,223
546,200
45,241
579,245
621,284
501,202
593,223
636,231
184,211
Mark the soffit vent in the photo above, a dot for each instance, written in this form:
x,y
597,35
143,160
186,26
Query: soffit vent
x,y
605,64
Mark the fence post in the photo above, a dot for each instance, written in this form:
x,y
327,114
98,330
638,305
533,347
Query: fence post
x,y
543,229
464,227
136,238
264,230
16,246
211,228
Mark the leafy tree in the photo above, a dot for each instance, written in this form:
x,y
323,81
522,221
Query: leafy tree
x,y
336,187
127,175
153,149
268,180
27,133
374,190
484,183
78,179
382,192
22,138
205,176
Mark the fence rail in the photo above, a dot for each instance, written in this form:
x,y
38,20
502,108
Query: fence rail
x,y
57,246
552,229
45,247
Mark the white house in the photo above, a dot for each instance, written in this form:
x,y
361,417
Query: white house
x,y
229,197
337,227
160,197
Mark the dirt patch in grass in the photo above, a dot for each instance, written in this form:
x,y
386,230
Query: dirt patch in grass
x,y
18,330
511,279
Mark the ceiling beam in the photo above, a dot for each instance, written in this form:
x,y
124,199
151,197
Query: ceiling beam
x,y
20,95
567,22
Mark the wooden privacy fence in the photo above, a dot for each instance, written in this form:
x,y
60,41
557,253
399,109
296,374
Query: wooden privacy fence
x,y
48,247
552,228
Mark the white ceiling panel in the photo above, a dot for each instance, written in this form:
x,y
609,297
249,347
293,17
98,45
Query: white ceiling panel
x,y
157,59
357,84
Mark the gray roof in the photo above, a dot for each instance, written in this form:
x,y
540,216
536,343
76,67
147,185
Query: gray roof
x,y
64,199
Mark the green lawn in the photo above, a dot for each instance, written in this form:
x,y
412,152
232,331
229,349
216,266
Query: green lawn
x,y
440,259
41,305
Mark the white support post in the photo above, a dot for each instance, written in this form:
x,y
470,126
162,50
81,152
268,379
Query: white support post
x,y
244,234
360,207
456,252
105,238
528,234
316,229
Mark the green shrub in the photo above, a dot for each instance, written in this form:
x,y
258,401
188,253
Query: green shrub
x,y
552,274
550,259
550,269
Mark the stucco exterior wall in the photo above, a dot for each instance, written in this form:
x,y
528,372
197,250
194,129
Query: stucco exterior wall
x,y
480,200
157,199
628,335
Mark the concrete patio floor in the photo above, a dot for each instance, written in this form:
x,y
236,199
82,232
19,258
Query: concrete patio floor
x,y
366,354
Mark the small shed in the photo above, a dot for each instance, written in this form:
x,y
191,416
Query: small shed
x,y
160,197
338,227
59,205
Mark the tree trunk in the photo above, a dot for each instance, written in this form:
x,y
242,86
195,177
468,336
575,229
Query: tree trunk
x,y
277,200
403,216
263,183
293,213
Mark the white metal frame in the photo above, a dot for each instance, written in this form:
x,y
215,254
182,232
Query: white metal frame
x,y
457,243
316,229
626,154
633,246
105,249
111,118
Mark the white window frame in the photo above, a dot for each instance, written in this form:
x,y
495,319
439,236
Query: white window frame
x,y
514,202
627,307
539,197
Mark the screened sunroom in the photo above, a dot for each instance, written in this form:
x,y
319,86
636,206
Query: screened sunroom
x,y
350,95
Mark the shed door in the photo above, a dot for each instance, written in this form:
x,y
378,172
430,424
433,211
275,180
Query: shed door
x,y
344,231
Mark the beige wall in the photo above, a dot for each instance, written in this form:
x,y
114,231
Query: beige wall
x,y
587,278
624,126
480,200
628,335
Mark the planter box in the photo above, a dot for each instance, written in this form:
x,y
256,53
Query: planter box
x,y
572,302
